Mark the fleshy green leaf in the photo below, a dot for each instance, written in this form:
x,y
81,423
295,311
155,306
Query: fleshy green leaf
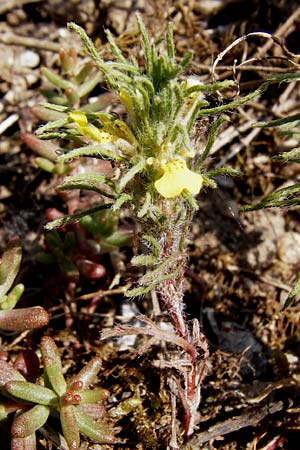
x,y
98,432
52,365
11,260
9,373
24,318
27,443
69,426
32,392
28,422
87,374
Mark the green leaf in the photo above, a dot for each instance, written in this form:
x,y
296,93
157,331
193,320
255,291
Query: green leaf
x,y
52,365
211,140
32,392
55,79
88,181
87,374
76,216
9,373
11,260
27,443
278,198
98,432
131,173
28,422
293,297
93,395
105,151
13,297
292,155
278,122
69,426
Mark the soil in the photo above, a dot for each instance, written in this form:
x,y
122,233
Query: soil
x,y
241,265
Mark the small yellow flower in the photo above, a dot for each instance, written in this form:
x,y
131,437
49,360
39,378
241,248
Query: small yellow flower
x,y
117,127
89,130
177,177
126,100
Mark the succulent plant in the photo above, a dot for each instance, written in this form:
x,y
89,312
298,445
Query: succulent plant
x,y
22,318
77,406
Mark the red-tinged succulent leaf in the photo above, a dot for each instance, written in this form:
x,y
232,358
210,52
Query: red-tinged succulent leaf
x,y
31,392
87,374
28,364
98,432
95,411
9,407
90,269
10,264
26,423
23,319
27,443
69,426
53,214
8,373
46,149
93,395
52,365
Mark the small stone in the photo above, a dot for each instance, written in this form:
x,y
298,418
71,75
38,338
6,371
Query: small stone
x,y
289,248
28,58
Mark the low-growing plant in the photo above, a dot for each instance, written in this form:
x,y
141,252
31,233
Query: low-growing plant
x,y
22,318
79,409
71,87
158,169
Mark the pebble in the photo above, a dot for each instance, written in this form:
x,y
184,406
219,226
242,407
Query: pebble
x,y
289,248
29,58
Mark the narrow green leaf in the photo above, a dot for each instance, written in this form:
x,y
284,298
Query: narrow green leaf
x,y
52,365
131,173
98,432
12,298
32,392
69,426
278,122
52,125
93,395
293,297
27,443
224,171
278,198
10,264
76,216
292,155
9,373
86,87
56,79
28,422
105,151
87,374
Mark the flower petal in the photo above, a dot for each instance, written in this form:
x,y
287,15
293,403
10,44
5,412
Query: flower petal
x,y
177,177
89,130
79,118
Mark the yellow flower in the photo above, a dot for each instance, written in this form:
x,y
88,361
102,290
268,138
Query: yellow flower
x,y
126,100
89,130
177,177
